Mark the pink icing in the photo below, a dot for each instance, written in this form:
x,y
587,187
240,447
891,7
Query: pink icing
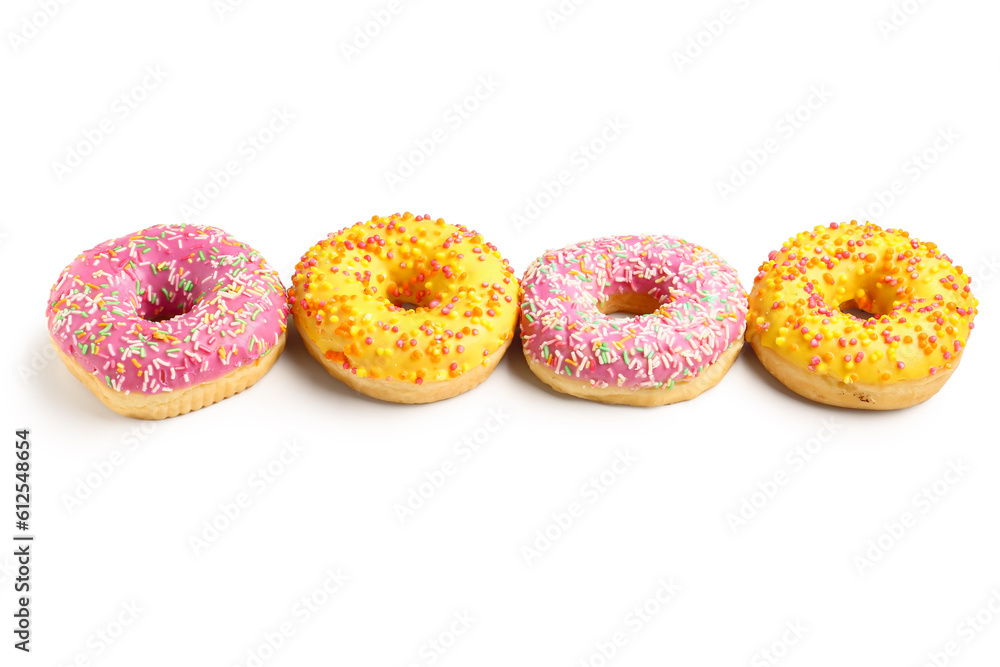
x,y
702,312
166,308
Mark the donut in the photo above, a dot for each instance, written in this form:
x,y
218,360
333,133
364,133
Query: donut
x,y
405,309
689,316
919,310
168,320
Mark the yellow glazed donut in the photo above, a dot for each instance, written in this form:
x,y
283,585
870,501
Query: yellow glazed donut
x,y
921,310
406,309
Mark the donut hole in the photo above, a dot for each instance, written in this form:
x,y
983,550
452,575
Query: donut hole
x,y
403,294
163,312
403,302
160,301
851,308
626,305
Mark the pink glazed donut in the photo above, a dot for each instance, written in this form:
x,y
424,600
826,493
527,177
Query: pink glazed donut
x,y
168,320
689,317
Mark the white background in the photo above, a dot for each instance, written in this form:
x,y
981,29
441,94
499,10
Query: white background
x,y
687,126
